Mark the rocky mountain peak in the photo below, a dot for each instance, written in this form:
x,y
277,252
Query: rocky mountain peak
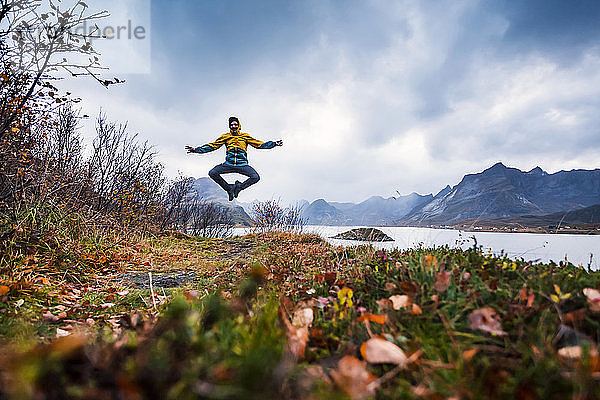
x,y
319,202
496,168
537,171
444,191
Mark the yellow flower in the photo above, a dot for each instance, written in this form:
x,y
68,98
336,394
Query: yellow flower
x,y
559,295
345,296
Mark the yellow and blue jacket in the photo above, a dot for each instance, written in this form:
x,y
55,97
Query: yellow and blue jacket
x,y
236,143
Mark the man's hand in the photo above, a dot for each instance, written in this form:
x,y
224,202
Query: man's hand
x,y
190,149
279,143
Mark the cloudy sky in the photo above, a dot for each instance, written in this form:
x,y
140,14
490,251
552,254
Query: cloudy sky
x,y
370,97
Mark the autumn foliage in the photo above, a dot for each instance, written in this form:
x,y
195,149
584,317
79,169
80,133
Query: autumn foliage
x,y
297,318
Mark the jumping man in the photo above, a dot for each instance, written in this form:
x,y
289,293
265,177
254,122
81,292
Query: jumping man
x,y
236,159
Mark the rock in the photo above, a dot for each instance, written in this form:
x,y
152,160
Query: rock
x,y
364,234
141,279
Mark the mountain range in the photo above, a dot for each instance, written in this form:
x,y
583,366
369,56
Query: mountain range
x,y
498,193
376,210
503,192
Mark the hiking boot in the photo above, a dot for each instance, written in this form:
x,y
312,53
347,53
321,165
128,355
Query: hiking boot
x,y
231,193
237,189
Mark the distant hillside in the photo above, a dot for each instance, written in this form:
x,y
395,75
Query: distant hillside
x,y
376,210
319,212
587,215
502,192
210,191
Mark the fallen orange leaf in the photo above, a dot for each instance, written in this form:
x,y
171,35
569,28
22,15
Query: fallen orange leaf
x,y
67,343
353,378
442,281
380,351
576,352
593,298
303,317
400,301
383,303
530,299
49,317
430,260
523,294
379,319
62,333
191,294
435,298
486,319
296,337
416,310
467,355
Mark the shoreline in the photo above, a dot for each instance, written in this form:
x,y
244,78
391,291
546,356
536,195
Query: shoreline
x,y
560,232
570,231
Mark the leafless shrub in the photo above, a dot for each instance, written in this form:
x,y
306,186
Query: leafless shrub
x,y
293,220
127,178
268,216
43,183
174,202
183,210
59,154
61,146
206,219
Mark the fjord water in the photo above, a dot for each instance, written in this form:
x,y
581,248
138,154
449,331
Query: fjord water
x,y
582,250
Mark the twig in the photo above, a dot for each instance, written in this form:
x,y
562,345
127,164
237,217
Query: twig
x,y
449,330
367,325
74,277
393,372
439,364
143,300
555,305
152,291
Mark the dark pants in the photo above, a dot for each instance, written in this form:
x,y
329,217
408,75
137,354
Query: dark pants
x,y
246,170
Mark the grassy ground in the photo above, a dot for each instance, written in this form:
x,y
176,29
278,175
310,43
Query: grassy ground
x,y
289,316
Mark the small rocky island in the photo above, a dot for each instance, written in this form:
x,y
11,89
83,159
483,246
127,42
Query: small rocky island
x,y
364,234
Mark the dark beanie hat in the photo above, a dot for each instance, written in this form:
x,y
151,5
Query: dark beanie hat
x,y
231,119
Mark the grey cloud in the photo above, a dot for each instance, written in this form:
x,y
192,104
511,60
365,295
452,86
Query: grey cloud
x,y
560,30
550,23
391,68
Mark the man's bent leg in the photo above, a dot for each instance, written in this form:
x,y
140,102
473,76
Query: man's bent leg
x,y
215,175
251,173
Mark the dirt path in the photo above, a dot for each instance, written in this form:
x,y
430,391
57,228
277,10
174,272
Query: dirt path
x,y
186,263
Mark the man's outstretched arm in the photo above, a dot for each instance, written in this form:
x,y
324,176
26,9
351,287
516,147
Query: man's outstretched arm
x,y
263,145
207,147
